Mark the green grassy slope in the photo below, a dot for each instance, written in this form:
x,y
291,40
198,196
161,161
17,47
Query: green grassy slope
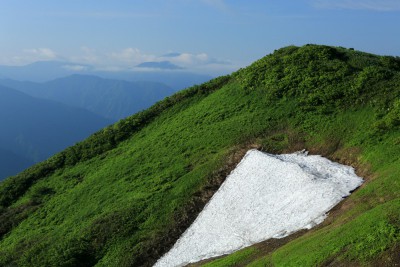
x,y
124,195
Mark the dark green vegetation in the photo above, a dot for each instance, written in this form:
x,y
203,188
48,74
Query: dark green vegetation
x,y
124,195
111,99
33,129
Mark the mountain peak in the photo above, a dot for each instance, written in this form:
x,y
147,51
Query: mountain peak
x,y
129,191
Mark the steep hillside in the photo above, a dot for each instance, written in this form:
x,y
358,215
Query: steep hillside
x,y
123,196
112,99
35,129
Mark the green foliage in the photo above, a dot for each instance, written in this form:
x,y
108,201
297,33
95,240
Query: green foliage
x,y
236,259
41,193
360,240
275,143
10,217
392,119
99,142
124,195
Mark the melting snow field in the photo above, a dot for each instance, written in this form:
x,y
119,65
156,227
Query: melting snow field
x,y
266,196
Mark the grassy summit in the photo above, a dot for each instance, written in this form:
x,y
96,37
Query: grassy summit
x,y
124,195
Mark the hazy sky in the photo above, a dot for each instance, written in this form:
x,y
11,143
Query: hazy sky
x,y
209,34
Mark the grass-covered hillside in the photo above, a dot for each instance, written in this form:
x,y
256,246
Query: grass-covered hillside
x,y
123,196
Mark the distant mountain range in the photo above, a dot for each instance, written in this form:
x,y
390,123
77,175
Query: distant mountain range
x,y
33,129
41,116
41,71
111,99
39,119
163,72
164,65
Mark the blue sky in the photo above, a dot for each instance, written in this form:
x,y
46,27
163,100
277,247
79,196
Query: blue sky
x,y
210,35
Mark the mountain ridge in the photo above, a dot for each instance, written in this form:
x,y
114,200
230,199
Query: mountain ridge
x,y
35,129
165,65
135,186
109,98
44,71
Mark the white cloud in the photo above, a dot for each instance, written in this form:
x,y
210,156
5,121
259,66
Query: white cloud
x,y
29,55
131,55
189,59
41,53
375,5
87,58
112,60
75,67
200,62
89,55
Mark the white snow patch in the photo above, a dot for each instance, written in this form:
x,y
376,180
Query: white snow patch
x,y
266,196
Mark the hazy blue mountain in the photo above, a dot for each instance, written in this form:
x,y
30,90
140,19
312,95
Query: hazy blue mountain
x,y
163,65
11,164
173,54
113,99
49,70
35,129
41,71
